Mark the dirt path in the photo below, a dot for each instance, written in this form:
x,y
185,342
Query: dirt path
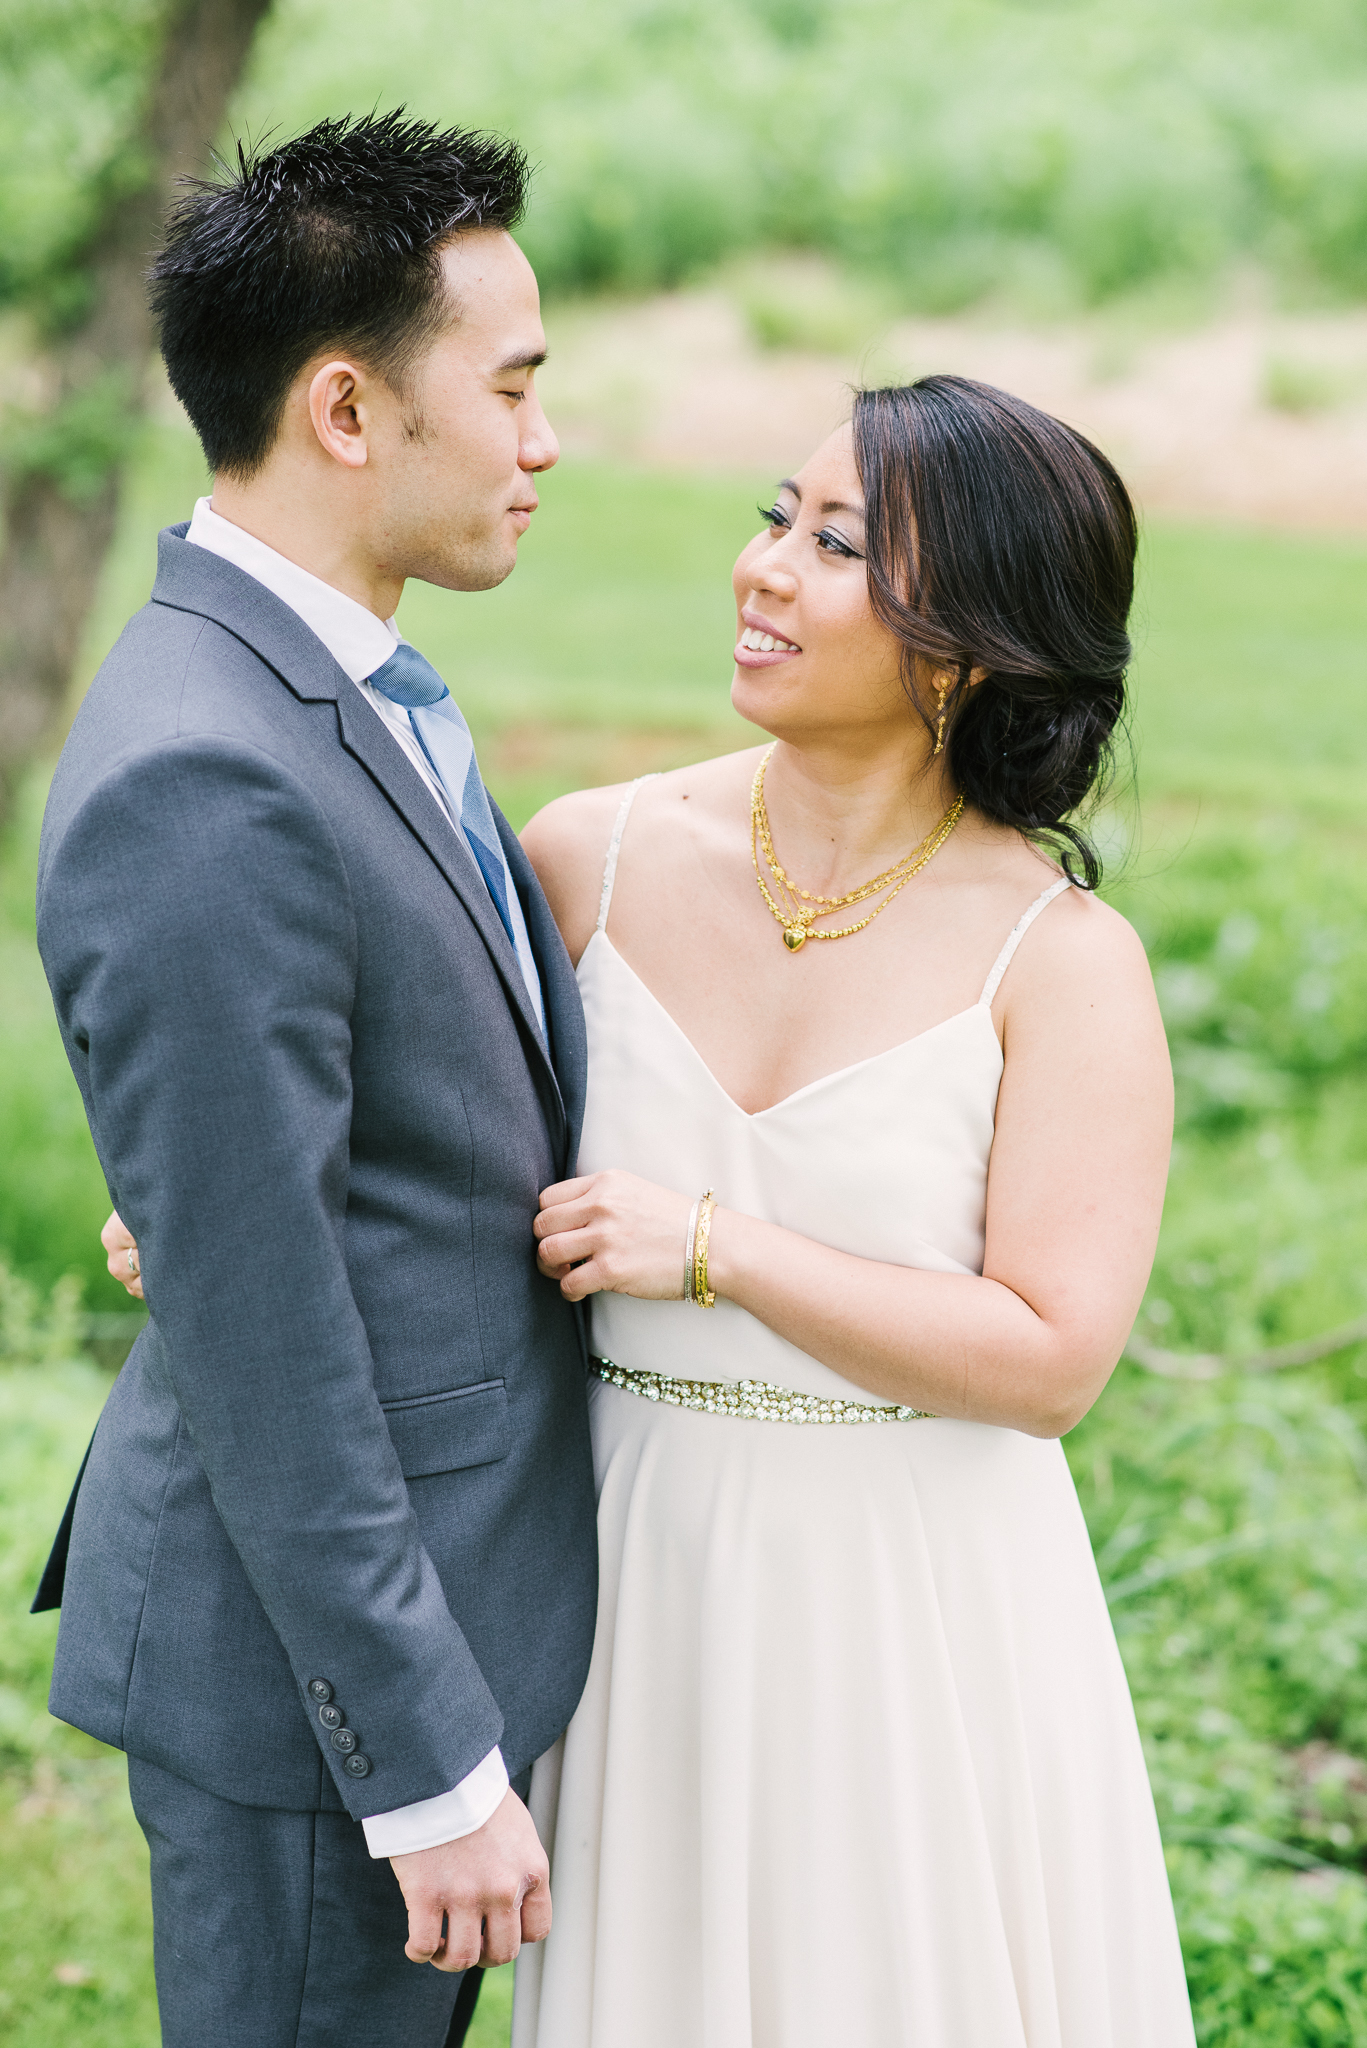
x,y
1257,417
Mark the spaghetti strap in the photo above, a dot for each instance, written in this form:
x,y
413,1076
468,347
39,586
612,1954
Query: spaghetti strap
x,y
614,848
1016,934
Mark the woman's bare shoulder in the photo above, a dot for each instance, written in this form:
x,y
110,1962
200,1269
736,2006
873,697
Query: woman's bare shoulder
x,y
567,844
1082,959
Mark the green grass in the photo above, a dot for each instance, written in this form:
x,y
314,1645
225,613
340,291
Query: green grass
x,y
1230,1517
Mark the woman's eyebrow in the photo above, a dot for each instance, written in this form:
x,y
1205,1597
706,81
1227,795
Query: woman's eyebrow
x,y
831,504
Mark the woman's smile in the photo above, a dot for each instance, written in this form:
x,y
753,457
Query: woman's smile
x,y
761,644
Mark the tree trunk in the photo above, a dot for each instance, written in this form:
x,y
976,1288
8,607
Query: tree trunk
x,y
58,532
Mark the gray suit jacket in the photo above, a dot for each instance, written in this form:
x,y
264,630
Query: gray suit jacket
x,y
349,1455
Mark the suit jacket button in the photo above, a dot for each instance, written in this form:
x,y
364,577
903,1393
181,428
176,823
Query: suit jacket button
x,y
356,1765
343,1739
331,1717
320,1690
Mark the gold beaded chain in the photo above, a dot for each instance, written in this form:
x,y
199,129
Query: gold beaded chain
x,y
803,908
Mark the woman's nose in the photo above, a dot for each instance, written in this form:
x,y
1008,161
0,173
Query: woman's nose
x,y
769,573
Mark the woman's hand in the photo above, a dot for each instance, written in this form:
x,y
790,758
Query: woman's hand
x,y
122,1247
611,1233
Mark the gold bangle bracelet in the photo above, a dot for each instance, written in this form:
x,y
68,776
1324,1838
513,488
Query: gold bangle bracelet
x,y
690,1238
702,1293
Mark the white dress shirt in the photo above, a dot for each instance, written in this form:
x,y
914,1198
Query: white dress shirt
x,y
360,643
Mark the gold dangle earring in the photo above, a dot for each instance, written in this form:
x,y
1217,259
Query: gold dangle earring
x,y
940,719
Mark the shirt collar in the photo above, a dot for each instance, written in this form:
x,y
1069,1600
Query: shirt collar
x,y
358,642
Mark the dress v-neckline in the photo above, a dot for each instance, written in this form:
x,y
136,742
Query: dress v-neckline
x,y
808,1087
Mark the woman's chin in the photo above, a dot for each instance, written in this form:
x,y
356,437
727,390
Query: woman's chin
x,y
760,696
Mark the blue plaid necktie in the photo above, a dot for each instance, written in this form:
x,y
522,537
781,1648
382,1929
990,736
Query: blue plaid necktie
x,y
409,679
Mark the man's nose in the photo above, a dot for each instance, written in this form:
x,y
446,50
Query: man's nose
x,y
537,447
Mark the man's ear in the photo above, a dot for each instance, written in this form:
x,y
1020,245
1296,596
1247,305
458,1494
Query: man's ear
x,y
339,412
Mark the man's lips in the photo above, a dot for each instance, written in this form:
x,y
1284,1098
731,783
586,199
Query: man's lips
x,y
523,514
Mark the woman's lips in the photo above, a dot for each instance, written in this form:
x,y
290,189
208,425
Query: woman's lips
x,y
753,657
754,627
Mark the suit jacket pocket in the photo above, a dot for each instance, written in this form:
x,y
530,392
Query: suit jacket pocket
x,y
445,1432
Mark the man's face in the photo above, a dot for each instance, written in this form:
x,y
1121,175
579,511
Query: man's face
x,y
454,482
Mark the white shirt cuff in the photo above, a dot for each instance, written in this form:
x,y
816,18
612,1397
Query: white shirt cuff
x,y
430,1822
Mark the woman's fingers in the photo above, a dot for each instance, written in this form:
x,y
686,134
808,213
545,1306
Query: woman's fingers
x,y
570,1260
617,1233
582,1281
553,1222
567,1248
122,1249
566,1190
116,1236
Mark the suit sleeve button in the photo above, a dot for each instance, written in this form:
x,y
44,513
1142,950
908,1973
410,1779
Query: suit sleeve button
x,y
320,1690
331,1717
343,1739
356,1765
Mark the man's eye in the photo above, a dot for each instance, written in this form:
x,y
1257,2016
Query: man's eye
x,y
774,515
835,544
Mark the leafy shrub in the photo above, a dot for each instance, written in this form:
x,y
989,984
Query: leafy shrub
x,y
1263,980
38,1331
940,145
1272,1962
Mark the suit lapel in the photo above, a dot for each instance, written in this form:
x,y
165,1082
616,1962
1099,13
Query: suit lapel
x,y
191,579
559,987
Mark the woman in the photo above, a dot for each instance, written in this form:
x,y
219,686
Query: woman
x,y
856,1761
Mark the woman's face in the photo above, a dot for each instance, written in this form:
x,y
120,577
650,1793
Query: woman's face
x,y
828,665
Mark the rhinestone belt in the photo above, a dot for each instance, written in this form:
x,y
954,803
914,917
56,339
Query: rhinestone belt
x,y
749,1400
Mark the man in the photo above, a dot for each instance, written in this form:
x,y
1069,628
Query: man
x,y
331,1571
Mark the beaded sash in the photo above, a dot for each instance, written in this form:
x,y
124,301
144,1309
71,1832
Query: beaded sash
x,y
748,1400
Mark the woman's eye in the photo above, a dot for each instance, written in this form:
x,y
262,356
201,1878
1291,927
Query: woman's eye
x,y
835,544
773,515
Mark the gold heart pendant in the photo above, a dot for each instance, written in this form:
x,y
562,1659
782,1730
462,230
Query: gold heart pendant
x,y
794,936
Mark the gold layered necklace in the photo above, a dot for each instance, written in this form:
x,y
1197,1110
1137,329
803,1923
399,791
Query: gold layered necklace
x,y
797,909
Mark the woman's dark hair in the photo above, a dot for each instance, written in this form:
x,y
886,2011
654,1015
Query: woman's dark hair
x,y
332,240
999,539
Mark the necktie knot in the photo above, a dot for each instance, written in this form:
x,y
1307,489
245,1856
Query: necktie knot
x,y
408,678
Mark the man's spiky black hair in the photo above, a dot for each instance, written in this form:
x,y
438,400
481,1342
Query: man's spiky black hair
x,y
331,240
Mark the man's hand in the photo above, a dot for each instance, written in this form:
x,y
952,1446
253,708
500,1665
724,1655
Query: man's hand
x,y
494,1887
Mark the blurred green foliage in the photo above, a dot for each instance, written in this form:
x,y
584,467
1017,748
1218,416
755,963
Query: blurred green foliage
x,y
1068,151
1230,1523
72,78
1063,150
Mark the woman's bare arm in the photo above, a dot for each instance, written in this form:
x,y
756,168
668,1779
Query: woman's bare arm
x,y
1075,1195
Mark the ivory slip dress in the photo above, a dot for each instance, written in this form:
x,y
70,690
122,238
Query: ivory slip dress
x,y
856,1764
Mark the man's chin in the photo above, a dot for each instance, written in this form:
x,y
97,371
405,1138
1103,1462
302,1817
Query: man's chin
x,y
461,569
